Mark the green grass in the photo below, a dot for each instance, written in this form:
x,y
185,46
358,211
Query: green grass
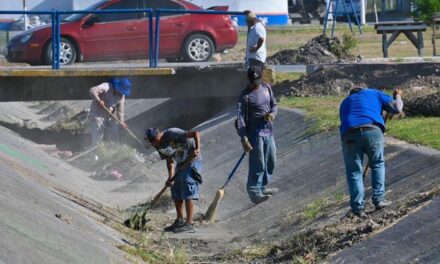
x,y
146,255
418,130
287,76
312,211
248,254
325,110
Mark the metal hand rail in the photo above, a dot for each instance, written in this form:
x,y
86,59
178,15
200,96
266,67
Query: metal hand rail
x,y
56,27
153,50
159,11
150,21
53,23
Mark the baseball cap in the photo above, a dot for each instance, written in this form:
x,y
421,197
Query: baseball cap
x,y
250,15
151,133
254,74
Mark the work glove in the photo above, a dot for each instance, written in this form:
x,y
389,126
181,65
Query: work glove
x,y
247,147
269,117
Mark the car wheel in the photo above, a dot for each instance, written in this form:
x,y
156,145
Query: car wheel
x,y
68,52
198,48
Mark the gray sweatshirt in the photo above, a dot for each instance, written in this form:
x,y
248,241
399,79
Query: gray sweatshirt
x,y
113,101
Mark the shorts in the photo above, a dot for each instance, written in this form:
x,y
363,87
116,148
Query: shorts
x,y
185,187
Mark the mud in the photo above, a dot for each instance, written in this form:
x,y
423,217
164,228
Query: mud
x,y
321,49
420,83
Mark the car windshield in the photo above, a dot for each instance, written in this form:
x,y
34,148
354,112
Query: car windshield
x,y
76,17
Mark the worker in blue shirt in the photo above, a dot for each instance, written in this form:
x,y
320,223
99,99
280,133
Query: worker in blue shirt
x,y
362,127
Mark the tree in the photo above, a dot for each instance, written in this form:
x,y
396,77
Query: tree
x,y
425,9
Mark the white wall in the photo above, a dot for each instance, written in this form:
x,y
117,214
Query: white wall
x,y
43,5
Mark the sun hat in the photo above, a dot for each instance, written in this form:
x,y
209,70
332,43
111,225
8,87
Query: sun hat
x,y
122,85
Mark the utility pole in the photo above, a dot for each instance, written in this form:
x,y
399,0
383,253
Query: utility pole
x,y
363,13
26,20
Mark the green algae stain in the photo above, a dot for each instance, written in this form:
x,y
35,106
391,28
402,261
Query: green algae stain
x,y
20,156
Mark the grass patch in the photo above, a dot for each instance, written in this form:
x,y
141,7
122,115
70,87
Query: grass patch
x,y
148,250
418,130
325,110
287,76
312,211
110,152
249,253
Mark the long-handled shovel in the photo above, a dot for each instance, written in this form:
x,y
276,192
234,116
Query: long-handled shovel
x,y
210,213
122,125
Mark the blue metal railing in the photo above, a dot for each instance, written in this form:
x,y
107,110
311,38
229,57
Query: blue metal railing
x,y
53,23
153,49
56,27
150,21
177,11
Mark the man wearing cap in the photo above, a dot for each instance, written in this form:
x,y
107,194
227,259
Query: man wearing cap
x,y
256,41
362,127
257,108
110,95
181,150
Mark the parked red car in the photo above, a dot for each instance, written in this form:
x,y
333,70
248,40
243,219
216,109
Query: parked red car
x,y
116,36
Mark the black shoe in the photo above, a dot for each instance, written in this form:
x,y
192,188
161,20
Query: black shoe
x,y
185,228
361,214
382,204
260,199
269,191
177,223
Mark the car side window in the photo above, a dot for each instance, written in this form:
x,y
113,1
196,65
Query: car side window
x,y
163,4
127,4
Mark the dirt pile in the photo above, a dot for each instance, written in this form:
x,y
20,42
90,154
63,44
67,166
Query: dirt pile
x,y
420,83
321,49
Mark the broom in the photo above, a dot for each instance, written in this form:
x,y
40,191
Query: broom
x,y
210,213
126,128
137,220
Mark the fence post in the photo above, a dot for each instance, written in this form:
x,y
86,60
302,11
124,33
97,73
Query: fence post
x,y
57,15
151,36
53,39
156,46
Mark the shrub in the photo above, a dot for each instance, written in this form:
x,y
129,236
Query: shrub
x,y
425,9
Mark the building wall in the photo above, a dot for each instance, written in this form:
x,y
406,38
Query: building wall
x,y
44,5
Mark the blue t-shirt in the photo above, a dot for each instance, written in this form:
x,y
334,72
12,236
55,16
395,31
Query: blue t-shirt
x,y
363,108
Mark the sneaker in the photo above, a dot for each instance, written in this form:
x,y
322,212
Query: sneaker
x,y
361,214
260,199
185,228
177,223
269,191
382,204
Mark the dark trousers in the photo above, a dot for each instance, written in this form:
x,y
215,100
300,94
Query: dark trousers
x,y
257,63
